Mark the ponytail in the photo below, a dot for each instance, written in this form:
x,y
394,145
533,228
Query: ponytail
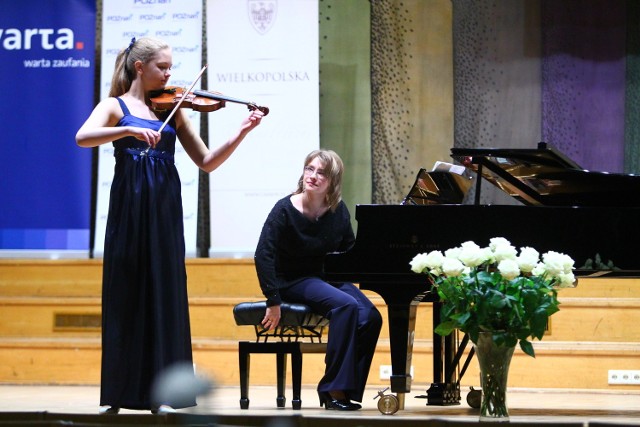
x,y
121,80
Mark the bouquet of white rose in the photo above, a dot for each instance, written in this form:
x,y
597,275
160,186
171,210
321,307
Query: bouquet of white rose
x,y
496,289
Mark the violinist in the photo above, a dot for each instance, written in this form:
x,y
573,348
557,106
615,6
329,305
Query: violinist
x,y
145,312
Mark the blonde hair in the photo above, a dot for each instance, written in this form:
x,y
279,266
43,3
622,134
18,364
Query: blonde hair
x,y
143,50
333,168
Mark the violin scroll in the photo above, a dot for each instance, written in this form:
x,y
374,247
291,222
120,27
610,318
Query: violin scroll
x,y
251,106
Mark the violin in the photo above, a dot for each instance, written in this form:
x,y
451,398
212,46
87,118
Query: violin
x,y
198,100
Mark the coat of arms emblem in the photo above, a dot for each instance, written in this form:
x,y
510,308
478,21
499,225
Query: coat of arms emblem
x,y
262,14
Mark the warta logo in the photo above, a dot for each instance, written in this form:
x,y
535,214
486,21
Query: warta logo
x,y
32,38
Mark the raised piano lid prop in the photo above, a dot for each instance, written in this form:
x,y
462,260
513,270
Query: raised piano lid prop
x,y
446,183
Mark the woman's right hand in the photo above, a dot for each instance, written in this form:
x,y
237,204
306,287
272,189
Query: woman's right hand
x,y
271,317
101,127
150,136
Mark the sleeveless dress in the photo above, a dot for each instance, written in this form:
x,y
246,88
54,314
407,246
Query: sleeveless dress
x,y
145,310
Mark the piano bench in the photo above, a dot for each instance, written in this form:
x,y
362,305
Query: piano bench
x,y
299,331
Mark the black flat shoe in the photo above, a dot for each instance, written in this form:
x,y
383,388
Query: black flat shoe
x,y
337,404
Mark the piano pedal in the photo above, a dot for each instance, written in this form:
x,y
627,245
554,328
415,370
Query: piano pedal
x,y
388,403
474,397
442,394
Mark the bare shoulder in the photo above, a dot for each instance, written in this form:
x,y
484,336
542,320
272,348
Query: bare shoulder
x,y
110,102
110,110
110,106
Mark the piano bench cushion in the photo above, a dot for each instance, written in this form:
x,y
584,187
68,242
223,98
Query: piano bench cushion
x,y
292,314
298,325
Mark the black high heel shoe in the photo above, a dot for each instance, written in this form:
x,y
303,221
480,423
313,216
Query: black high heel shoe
x,y
108,410
163,410
337,404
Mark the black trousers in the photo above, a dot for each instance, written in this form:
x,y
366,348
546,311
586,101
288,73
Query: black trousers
x,y
354,327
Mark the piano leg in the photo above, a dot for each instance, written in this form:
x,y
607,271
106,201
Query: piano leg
x,y
402,306
402,324
443,391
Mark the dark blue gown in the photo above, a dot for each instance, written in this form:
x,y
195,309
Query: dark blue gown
x,y
145,311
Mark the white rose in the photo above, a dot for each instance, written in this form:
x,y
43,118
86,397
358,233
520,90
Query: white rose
x,y
554,263
539,270
437,271
502,252
452,253
567,280
498,241
472,255
452,267
427,262
567,263
528,259
469,244
489,255
434,259
419,263
509,269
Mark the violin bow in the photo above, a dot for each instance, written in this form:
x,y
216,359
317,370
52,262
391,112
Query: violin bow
x,y
184,95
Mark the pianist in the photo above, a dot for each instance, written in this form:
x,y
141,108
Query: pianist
x,y
299,231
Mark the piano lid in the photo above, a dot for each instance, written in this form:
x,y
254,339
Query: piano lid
x,y
545,177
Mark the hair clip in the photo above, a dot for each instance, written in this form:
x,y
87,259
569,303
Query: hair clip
x,y
133,41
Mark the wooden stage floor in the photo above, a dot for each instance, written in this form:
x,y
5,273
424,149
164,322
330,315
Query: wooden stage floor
x,y
78,405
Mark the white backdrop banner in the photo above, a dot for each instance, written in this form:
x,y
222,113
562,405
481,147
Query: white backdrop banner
x,y
262,51
180,25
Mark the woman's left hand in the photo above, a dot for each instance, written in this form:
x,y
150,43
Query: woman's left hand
x,y
271,317
252,120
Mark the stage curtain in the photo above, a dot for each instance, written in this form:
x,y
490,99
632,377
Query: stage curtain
x,y
632,91
547,70
583,80
497,77
345,92
411,90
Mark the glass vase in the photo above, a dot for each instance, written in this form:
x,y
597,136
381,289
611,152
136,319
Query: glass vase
x,y
494,364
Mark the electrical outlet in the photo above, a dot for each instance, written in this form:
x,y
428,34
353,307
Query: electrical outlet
x,y
385,372
621,376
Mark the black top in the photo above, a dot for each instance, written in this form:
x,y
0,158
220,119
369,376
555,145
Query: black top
x,y
292,247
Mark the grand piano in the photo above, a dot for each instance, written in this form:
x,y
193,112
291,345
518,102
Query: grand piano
x,y
594,217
